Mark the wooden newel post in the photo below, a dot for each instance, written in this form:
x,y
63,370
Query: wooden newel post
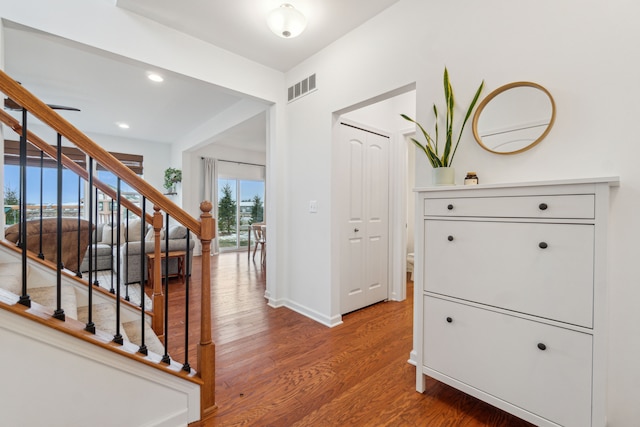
x,y
157,296
206,349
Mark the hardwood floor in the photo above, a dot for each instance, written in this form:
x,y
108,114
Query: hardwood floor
x,y
278,368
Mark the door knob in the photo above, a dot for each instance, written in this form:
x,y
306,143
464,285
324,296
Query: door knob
x,y
355,230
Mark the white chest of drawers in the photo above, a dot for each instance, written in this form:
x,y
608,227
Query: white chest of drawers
x,y
510,296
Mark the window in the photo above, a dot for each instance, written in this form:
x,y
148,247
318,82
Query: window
x,y
73,188
49,193
104,203
240,202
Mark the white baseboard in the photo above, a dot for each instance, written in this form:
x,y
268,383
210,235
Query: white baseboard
x,y
307,312
173,420
412,358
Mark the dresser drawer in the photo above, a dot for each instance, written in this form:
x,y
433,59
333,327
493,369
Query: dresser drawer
x,y
579,206
500,355
506,264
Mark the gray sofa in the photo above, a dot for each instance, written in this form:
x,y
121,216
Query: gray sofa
x,y
130,259
105,251
101,250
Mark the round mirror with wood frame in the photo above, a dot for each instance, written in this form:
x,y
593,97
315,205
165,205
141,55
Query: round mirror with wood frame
x,y
514,118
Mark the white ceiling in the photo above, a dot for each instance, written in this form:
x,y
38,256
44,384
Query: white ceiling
x,y
109,89
240,26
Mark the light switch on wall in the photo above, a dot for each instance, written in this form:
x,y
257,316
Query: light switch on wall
x,y
313,206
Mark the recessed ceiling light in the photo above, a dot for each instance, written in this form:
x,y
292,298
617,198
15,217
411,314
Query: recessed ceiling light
x,y
155,77
122,125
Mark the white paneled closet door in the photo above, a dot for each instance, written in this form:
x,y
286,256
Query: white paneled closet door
x,y
364,160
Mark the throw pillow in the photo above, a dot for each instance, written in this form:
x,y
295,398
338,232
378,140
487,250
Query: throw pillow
x,y
150,234
109,236
133,231
177,232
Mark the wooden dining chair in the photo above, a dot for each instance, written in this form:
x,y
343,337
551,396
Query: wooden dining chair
x,y
259,240
263,228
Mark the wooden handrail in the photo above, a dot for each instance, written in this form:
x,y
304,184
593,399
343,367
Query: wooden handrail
x,y
69,164
48,116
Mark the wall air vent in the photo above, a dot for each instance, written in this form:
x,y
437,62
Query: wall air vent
x,y
302,88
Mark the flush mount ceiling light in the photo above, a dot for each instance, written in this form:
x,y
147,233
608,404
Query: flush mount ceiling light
x,y
286,21
122,125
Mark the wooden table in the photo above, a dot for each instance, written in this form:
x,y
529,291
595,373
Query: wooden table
x,y
179,255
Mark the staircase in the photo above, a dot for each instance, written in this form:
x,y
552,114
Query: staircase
x,y
74,301
85,355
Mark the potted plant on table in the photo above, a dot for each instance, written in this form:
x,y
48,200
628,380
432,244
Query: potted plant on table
x,y
443,172
171,177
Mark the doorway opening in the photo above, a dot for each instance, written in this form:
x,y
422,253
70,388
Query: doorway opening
x,y
381,115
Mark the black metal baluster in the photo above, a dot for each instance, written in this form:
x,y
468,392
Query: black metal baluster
x,y
117,337
59,311
90,327
79,273
165,358
126,258
96,282
143,347
112,290
22,233
40,254
186,367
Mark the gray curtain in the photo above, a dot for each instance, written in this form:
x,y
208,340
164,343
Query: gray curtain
x,y
211,194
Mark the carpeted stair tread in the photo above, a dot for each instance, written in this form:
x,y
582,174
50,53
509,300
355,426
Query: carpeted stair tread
x,y
11,277
104,314
11,280
46,296
151,339
104,317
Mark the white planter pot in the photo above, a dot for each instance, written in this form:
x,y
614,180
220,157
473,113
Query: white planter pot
x,y
444,176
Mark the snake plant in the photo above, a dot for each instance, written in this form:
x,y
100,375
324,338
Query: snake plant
x,y
431,148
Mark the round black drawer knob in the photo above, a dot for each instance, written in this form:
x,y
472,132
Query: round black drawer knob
x,y
449,320
450,238
543,245
543,206
541,346
450,207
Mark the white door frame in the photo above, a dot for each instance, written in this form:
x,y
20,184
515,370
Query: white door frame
x,y
398,214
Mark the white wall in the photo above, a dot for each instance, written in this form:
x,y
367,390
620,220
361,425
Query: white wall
x,y
157,156
584,53
49,395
